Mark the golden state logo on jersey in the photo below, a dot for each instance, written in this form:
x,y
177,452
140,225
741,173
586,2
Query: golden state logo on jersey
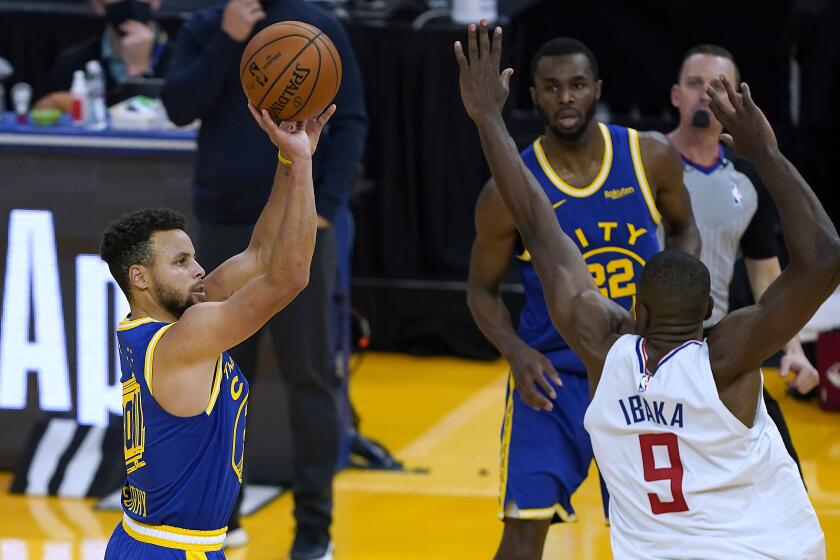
x,y
239,394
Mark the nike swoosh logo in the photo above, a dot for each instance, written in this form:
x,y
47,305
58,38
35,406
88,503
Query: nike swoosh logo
x,y
561,203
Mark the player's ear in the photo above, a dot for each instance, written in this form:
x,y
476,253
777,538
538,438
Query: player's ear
x,y
642,317
138,276
710,308
533,91
598,85
675,95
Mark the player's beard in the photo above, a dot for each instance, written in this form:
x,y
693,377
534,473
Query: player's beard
x,y
568,137
171,300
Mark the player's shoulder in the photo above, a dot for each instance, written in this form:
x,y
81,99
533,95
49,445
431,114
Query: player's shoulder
x,y
655,142
657,151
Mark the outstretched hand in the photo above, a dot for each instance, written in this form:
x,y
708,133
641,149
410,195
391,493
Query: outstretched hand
x,y
807,376
748,131
295,140
483,89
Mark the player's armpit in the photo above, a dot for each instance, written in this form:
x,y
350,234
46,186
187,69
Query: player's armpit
x,y
664,170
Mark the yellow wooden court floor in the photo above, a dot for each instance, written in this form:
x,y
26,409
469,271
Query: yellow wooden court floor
x,y
441,414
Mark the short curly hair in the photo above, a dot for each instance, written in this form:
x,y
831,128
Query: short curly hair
x,y
128,240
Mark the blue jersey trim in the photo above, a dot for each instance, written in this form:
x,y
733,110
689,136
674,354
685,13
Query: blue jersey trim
x,y
673,352
639,355
707,170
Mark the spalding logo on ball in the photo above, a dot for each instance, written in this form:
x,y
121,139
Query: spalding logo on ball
x,y
292,70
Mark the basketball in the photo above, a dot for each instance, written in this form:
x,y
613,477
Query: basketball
x,y
292,70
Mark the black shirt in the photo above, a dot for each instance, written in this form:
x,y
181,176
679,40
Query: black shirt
x,y
236,160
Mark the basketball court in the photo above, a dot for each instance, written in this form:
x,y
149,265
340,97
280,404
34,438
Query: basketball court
x,y
441,417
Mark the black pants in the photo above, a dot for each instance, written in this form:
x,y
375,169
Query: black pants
x,y
302,339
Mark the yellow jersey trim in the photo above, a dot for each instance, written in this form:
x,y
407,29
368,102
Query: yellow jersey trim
x,y
507,428
546,513
571,190
126,325
236,468
621,250
175,537
217,383
150,356
641,177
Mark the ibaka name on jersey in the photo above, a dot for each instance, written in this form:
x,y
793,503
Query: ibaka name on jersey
x,y
637,409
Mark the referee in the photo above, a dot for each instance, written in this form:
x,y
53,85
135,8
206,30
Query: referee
x,y
731,207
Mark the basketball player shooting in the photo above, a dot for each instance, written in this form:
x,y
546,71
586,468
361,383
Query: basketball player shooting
x,y
184,398
693,463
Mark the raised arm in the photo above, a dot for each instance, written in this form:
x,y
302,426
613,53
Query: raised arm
x,y
492,250
255,259
184,359
745,338
665,171
586,320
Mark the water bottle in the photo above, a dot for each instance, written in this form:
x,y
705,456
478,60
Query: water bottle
x,y
79,93
97,116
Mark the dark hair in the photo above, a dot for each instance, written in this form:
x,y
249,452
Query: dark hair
x,y
561,46
675,284
127,240
711,50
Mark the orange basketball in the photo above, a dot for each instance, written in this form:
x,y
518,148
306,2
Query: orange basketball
x,y
291,69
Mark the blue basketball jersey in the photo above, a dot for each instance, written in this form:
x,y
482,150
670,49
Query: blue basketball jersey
x,y
183,472
613,221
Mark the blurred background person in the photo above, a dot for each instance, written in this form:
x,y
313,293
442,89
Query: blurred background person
x,y
132,47
732,208
232,181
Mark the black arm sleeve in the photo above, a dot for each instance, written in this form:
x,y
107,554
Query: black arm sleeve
x,y
759,239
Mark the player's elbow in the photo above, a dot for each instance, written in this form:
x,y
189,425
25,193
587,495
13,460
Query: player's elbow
x,y
477,292
298,280
823,258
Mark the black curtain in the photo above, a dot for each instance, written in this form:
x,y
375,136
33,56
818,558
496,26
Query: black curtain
x,y
423,156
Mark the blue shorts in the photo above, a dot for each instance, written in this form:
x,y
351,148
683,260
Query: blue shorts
x,y
122,546
545,455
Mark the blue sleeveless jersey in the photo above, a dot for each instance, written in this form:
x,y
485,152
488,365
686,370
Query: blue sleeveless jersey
x,y
183,472
613,221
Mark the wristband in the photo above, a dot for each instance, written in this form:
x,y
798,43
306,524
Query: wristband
x,y
283,160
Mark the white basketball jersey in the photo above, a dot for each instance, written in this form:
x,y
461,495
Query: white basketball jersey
x,y
687,479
